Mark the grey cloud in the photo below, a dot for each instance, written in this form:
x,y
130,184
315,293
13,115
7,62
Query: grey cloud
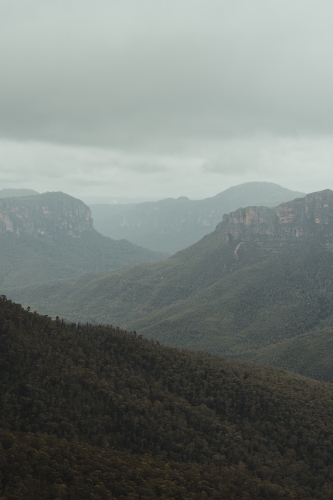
x,y
171,98
298,163
159,77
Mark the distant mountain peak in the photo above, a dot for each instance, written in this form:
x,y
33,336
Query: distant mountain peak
x,y
174,224
269,190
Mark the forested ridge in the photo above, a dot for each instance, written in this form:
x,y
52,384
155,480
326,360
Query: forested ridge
x,y
171,225
50,236
28,259
95,412
237,292
310,354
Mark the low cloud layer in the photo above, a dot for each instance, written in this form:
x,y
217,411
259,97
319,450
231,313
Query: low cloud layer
x,y
155,96
300,164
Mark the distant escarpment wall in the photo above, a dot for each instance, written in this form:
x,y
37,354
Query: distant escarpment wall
x,y
303,217
44,214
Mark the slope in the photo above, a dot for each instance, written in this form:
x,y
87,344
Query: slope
x,y
51,236
310,354
240,309
264,433
171,225
264,275
37,467
26,259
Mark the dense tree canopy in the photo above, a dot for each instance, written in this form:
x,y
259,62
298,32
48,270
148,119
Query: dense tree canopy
x,y
89,397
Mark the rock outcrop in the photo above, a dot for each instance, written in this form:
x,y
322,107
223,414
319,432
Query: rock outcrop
x,y
45,214
174,224
311,216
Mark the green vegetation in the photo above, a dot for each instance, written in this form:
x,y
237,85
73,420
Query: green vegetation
x,y
171,225
95,412
29,259
255,282
43,466
310,354
51,236
203,298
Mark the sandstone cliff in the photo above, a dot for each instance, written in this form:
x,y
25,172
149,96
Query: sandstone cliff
x,y
311,216
45,214
174,224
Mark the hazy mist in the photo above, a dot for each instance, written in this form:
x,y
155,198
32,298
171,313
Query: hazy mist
x,y
165,99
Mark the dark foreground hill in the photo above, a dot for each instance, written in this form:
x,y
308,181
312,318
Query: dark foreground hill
x,y
172,224
262,277
51,236
94,412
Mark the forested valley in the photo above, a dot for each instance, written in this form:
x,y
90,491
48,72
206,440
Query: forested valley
x,y
166,250
89,410
258,288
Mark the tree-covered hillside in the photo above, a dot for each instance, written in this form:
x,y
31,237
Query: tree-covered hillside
x,y
263,276
43,466
51,236
172,224
28,259
310,354
77,399
227,309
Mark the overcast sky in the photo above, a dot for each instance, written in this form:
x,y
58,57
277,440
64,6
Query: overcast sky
x,y
165,98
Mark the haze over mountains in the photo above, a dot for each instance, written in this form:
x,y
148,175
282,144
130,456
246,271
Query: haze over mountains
x,y
50,236
171,225
262,277
96,412
258,287
9,193
223,298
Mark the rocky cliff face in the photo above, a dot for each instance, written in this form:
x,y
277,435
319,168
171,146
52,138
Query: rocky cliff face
x,y
311,216
174,224
44,214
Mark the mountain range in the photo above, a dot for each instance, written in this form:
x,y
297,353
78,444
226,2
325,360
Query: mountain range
x,y
172,224
51,236
92,411
263,277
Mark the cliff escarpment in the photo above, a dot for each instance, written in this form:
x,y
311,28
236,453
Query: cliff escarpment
x,y
51,236
262,277
171,225
44,214
308,217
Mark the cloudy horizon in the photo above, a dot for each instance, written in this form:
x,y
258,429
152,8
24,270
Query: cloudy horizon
x,y
165,99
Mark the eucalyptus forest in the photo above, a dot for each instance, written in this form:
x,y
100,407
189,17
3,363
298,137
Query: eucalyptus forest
x,y
188,395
